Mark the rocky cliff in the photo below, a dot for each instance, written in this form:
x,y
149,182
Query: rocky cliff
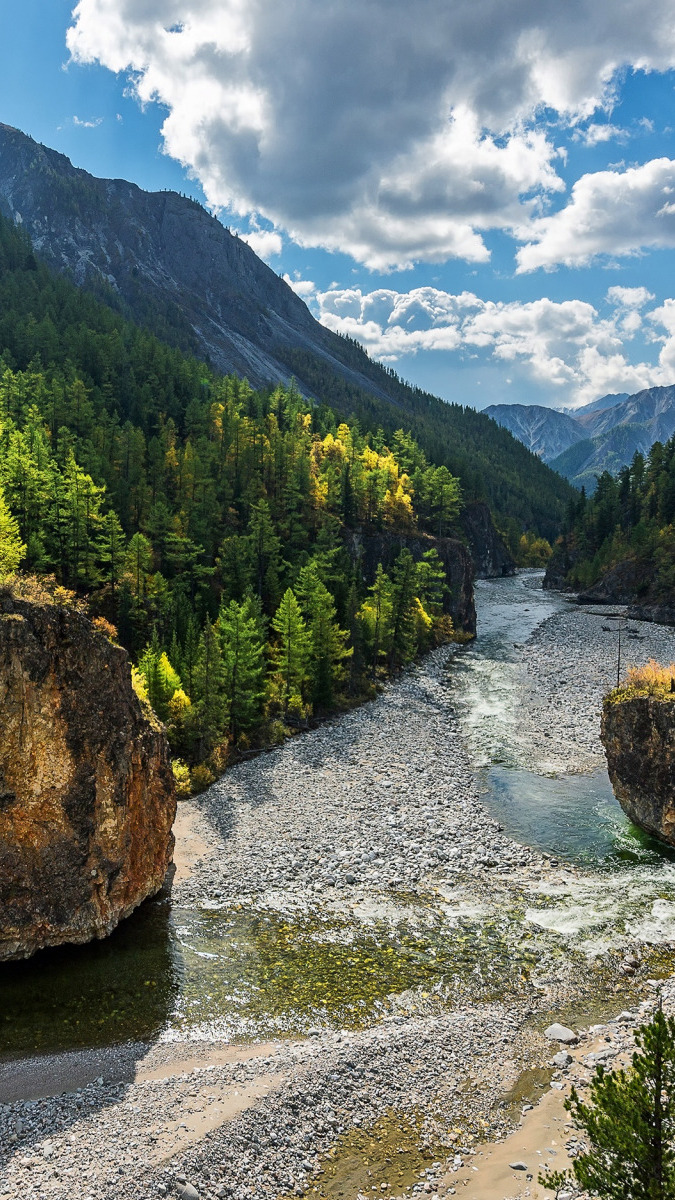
x,y
87,796
633,583
369,549
491,559
638,734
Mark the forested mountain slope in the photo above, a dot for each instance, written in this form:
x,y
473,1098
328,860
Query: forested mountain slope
x,y
163,260
261,560
619,545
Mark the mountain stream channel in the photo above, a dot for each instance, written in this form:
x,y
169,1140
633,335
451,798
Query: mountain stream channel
x,y
344,987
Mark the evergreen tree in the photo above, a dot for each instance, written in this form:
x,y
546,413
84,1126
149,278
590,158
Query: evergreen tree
x,y
290,655
328,643
161,680
111,550
12,549
209,690
629,1123
264,550
243,665
138,564
376,614
402,624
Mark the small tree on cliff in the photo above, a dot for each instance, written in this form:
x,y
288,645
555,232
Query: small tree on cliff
x,y
12,549
629,1123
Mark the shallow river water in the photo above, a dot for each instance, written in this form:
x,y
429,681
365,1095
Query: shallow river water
x,y
228,972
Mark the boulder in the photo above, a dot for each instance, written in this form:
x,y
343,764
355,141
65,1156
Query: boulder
x,y
560,1033
638,734
87,796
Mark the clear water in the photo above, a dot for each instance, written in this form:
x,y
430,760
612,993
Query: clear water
x,y
229,972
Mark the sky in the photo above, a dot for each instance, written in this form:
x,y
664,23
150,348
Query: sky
x,y
482,193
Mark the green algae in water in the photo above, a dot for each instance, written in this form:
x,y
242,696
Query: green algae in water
x,y
246,973
390,1152
256,973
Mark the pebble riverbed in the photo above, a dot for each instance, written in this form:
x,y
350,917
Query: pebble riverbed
x,y
372,813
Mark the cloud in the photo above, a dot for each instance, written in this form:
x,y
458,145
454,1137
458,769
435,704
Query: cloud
x,y
393,134
594,134
566,347
303,287
629,297
609,212
80,124
266,243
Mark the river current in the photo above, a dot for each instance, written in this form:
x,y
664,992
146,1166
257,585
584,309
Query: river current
x,y
228,972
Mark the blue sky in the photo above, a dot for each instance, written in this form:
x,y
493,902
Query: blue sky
x,y
479,192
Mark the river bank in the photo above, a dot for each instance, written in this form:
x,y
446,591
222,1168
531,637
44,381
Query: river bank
x,y
367,844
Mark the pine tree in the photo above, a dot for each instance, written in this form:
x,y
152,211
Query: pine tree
x,y
243,665
111,549
328,643
209,690
375,614
138,564
403,631
291,654
12,549
629,1123
161,680
264,550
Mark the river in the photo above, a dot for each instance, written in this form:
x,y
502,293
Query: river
x,y
237,971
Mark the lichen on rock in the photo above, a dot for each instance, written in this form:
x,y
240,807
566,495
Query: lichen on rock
x,y
87,796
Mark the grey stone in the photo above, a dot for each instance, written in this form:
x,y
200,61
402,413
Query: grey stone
x,y
188,1192
562,1058
560,1033
518,1166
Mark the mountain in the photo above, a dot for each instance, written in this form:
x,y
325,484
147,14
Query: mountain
x,y
162,258
602,402
601,436
544,431
163,261
614,434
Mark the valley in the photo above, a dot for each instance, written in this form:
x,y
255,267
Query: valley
x,y
370,929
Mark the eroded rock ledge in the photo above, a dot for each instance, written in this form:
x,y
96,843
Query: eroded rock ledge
x,y
87,796
638,734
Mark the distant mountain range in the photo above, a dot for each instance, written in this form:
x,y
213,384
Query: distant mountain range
x,y
601,436
164,262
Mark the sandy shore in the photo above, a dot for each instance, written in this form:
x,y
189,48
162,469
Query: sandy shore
x,y
370,814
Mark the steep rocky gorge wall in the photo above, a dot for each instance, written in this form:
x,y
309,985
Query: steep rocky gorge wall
x,y
87,796
491,558
638,734
369,549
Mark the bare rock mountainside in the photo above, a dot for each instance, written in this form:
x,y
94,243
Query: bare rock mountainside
x,y
638,734
171,265
87,796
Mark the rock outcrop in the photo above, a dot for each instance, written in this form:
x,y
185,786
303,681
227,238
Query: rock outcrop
x,y
491,558
369,549
638,734
632,582
87,796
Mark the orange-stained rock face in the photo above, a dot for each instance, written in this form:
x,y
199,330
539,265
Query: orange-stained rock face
x,y
87,796
638,734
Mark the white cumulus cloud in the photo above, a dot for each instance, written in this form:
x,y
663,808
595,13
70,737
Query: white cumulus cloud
x,y
567,347
266,242
393,133
609,213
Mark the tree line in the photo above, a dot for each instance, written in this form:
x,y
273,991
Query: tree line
x,y
630,517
